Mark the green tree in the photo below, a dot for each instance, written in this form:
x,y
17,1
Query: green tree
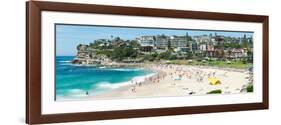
x,y
189,55
120,53
117,38
250,56
155,54
165,55
169,45
78,47
149,57
104,52
134,44
245,42
172,57
220,54
117,53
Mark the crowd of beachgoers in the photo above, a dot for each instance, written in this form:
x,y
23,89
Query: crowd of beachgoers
x,y
181,80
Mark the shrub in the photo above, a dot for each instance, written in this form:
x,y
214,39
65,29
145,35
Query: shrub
x,y
165,55
250,88
218,91
173,57
149,57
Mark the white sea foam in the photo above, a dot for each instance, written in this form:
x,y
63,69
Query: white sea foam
x,y
102,67
128,69
68,61
76,93
66,64
78,65
106,85
142,78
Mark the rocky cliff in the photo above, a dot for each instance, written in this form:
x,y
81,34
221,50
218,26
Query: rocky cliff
x,y
87,56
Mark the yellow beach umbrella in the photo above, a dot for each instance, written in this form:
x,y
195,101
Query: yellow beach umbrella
x,y
214,81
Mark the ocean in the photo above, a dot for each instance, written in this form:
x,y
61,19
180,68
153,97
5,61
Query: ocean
x,y
74,81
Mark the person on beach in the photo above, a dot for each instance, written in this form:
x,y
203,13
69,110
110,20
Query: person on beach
x,y
197,79
180,76
201,79
225,74
134,89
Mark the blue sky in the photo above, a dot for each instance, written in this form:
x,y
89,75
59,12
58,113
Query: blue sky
x,y
69,36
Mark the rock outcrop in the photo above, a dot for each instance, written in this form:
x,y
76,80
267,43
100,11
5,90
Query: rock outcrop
x,y
87,56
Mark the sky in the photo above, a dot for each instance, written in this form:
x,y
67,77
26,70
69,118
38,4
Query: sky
x,y
69,36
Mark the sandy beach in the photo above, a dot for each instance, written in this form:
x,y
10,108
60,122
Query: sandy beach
x,y
179,80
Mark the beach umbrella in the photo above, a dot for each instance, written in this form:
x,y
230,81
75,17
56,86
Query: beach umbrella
x,y
214,81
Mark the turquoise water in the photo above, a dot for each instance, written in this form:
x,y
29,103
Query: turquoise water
x,y
73,81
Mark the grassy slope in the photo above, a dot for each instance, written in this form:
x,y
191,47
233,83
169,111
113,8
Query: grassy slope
x,y
233,64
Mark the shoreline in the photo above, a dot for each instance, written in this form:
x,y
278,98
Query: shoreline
x,y
107,86
165,82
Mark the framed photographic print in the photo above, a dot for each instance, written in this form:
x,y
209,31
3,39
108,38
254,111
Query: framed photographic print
x,y
94,62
